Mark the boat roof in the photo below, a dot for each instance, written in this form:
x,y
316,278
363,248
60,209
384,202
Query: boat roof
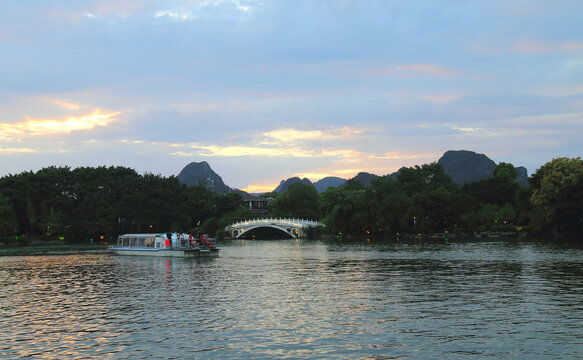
x,y
152,234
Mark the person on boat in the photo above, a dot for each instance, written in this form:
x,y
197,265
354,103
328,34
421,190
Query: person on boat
x,y
190,242
168,240
180,238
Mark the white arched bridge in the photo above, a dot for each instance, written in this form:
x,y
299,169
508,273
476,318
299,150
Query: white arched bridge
x,y
293,227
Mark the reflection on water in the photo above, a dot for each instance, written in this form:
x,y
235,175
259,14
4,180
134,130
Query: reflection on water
x,y
299,299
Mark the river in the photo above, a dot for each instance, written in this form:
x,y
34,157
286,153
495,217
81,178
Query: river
x,y
298,299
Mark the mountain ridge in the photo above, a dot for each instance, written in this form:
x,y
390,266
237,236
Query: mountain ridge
x,y
200,173
463,166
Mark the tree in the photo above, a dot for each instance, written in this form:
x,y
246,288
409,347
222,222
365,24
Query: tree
x,y
202,203
19,189
352,185
7,216
494,190
268,195
388,203
345,211
424,178
299,201
557,194
505,171
490,218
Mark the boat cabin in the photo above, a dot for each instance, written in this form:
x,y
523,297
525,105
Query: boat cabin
x,y
177,241
143,241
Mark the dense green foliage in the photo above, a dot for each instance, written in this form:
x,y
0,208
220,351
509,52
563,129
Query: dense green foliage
x,y
93,202
88,203
423,199
299,201
558,195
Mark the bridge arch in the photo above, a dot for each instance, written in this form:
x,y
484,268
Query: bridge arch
x,y
287,231
292,227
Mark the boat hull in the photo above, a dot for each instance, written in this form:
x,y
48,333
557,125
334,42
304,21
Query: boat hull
x,y
189,253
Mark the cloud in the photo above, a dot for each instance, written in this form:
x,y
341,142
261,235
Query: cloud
x,y
122,8
557,121
530,47
191,10
65,104
28,150
520,128
294,135
177,14
291,135
243,150
442,98
84,119
260,188
398,155
19,150
290,143
414,70
467,129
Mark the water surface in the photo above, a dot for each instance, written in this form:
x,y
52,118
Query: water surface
x,y
505,299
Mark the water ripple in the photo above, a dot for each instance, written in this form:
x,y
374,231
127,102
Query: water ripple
x,y
299,300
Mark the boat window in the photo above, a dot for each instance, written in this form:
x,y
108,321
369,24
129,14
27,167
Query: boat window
x,y
149,243
133,242
126,242
141,242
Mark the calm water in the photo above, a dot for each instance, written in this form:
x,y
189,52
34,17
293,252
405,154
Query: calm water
x,y
299,300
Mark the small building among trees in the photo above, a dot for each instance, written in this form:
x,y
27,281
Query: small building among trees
x,y
256,204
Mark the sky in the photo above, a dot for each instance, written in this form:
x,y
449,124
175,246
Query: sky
x,y
266,90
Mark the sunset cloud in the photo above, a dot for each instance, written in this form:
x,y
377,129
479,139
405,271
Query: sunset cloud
x,y
242,151
291,135
294,135
396,155
291,143
52,116
48,126
260,188
19,150
65,104
29,150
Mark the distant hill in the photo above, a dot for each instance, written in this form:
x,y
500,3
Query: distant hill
x,y
201,174
462,166
364,178
465,166
285,184
323,184
522,177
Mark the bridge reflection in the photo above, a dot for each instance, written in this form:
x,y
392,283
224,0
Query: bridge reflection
x,y
294,228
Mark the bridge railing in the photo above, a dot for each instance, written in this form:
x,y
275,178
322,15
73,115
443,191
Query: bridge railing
x,y
277,221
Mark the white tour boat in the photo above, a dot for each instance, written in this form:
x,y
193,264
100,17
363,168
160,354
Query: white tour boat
x,y
165,244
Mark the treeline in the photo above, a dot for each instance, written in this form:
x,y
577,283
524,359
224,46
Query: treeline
x,y
423,199
100,203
